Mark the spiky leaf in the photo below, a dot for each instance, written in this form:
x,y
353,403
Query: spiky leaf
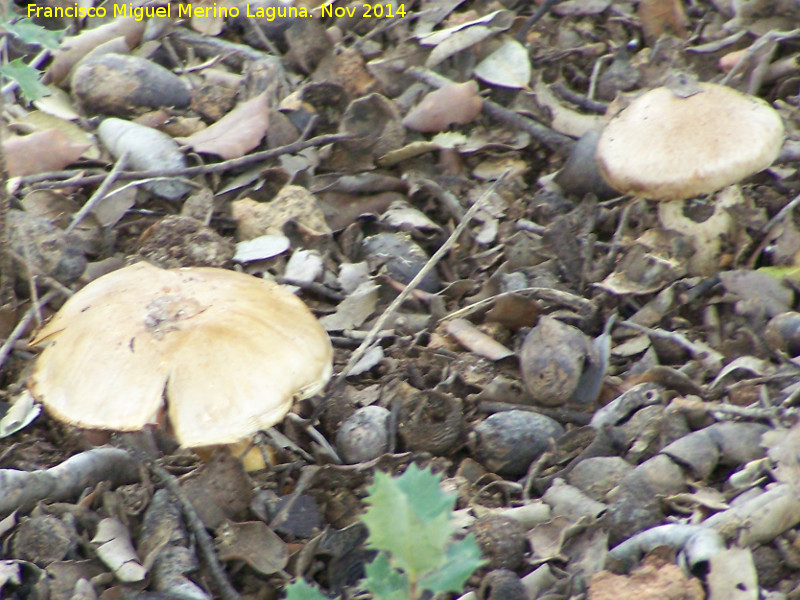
x,y
302,590
462,559
409,517
384,582
26,77
31,33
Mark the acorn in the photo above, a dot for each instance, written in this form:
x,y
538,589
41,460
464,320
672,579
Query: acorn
x,y
508,442
552,360
502,584
402,257
783,333
501,539
364,435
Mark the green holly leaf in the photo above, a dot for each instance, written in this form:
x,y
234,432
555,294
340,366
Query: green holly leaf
x,y
383,581
26,77
462,559
31,33
409,517
302,590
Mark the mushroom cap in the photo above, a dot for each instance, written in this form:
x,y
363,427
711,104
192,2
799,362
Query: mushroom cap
x,y
230,352
666,147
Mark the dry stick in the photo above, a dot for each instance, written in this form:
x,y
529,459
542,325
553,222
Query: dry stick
x,y
207,46
552,139
22,325
204,542
219,167
401,297
7,270
778,218
47,280
771,37
100,193
781,214
540,12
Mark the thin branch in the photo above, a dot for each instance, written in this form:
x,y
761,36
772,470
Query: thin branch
x,y
22,325
423,272
219,167
7,270
100,193
204,542
541,133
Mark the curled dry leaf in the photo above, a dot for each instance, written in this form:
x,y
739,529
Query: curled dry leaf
x,y
115,549
49,150
353,310
74,48
452,104
236,133
453,40
147,149
41,121
254,543
508,66
476,341
261,248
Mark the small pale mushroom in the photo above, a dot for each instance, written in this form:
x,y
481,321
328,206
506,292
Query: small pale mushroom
x,y
675,143
220,354
670,146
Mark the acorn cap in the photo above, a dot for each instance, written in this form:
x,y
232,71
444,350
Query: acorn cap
x,y
229,352
667,147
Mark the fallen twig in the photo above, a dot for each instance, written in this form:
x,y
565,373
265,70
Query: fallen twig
x,y
42,179
402,296
23,489
204,542
552,139
22,325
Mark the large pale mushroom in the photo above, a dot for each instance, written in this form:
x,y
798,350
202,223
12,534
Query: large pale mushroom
x,y
221,354
672,146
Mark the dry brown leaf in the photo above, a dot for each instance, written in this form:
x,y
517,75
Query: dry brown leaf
x,y
236,133
48,150
662,16
74,48
292,203
476,341
453,104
